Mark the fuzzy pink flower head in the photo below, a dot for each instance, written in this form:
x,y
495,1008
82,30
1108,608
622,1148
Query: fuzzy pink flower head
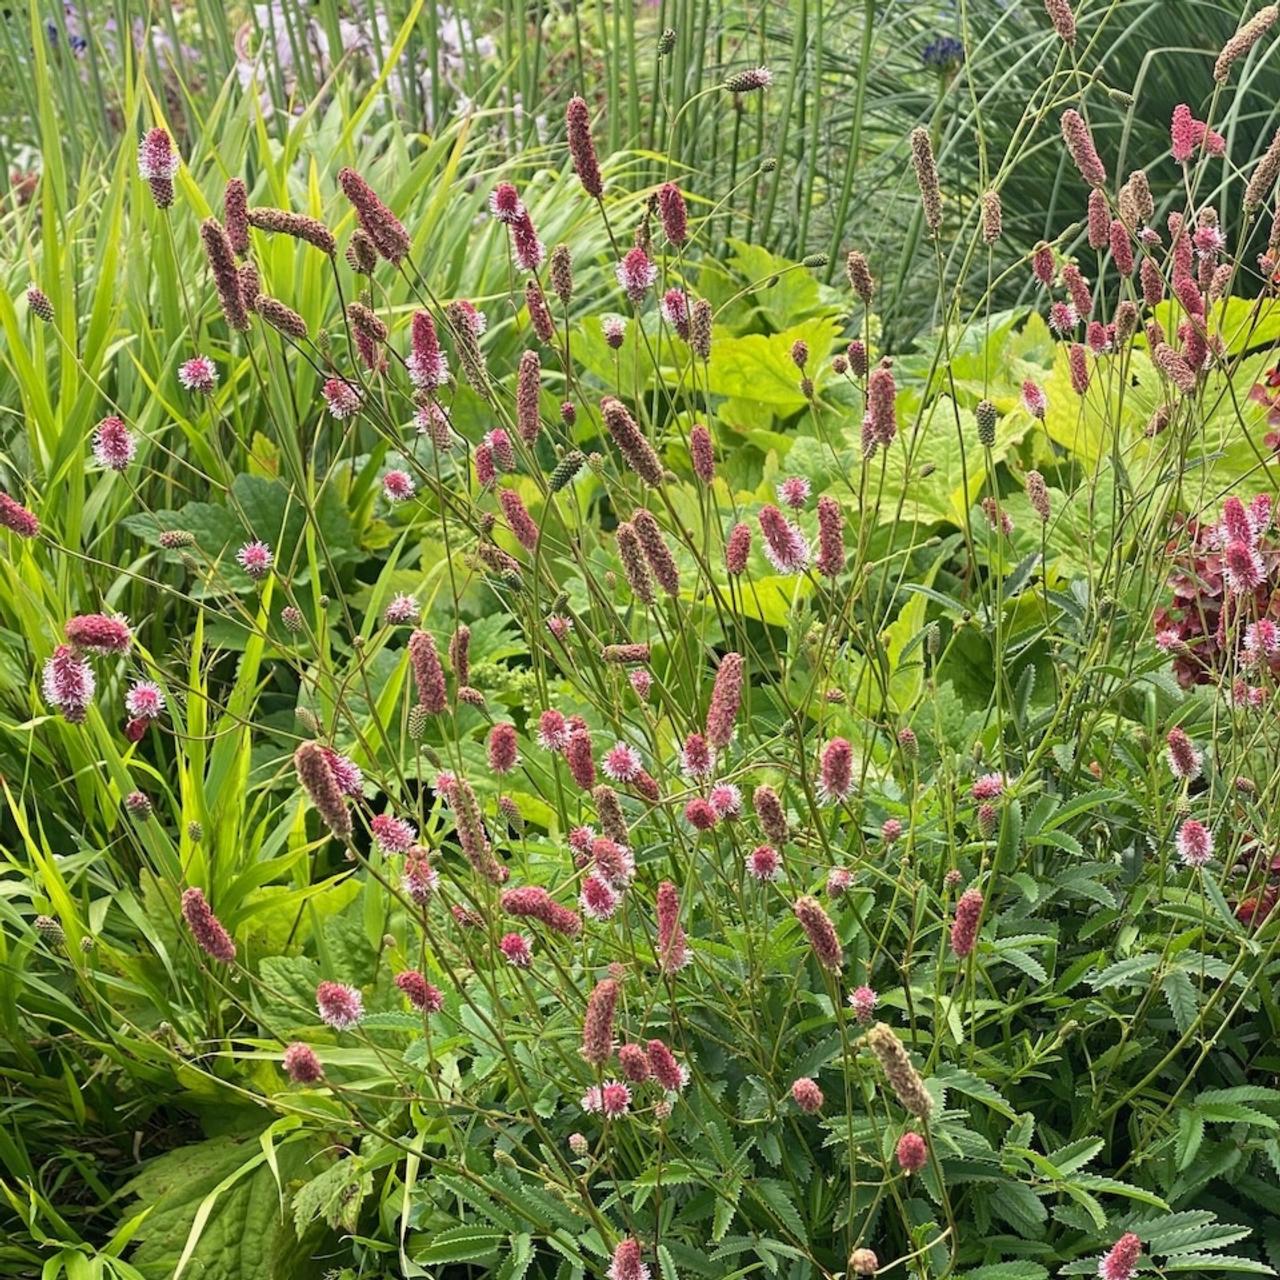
x,y
882,414
1245,571
964,927
673,950
598,898
839,880
1033,400
891,831
764,863
667,1071
17,519
1120,1262
99,633
697,760
398,486
1063,318
475,320
675,311
301,1064
1262,640
1195,843
400,610
1184,759
114,446
784,544
725,799
636,274
419,992
503,752
393,835
580,840
517,949
835,771
341,398
145,700
912,1153
346,773
627,1263
673,213
419,878
532,902
156,156
428,368
615,862
726,700
988,787
794,492
634,1063
702,453
340,1006
699,814
1189,135
597,1024
432,421
820,931
207,930
807,1096
198,374
641,681
553,730
614,329
256,559
611,1099
862,1000
622,763
737,548
505,203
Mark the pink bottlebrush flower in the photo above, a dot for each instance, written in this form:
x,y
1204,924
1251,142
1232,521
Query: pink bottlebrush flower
x,y
1152,282
528,386
1188,293
675,311
597,1025
1262,640
862,1000
1038,495
926,171
1245,571
582,148
553,730
1078,287
614,329
235,213
256,559
225,272
517,949
1195,843
988,816
532,902
301,1064
398,486
647,786
1064,21
1079,140
1078,363
392,834
656,551
598,899
696,758
622,763
340,1006
1235,523
807,1096
419,878
1182,133
432,421
346,773
839,881
699,814
670,1074
726,699
673,950
737,548
771,815
794,492
499,444
1184,759
145,700
526,248
1208,242
580,839
1099,220
138,804
503,752
784,544
400,609
321,785
634,1063
702,453
725,800
475,320
964,926
519,521
636,274
341,397
882,395
540,317
1120,1262
377,221
856,354
505,203
632,444
578,757
912,1153
835,771
891,831
1063,319
750,80
1033,400
988,787
764,863
114,446
997,519
614,862
1042,266
1098,337
16,518
1175,368
486,472
419,992
1244,39
673,214
428,672
611,1099
99,633
156,156
207,930
198,374
428,368
820,931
